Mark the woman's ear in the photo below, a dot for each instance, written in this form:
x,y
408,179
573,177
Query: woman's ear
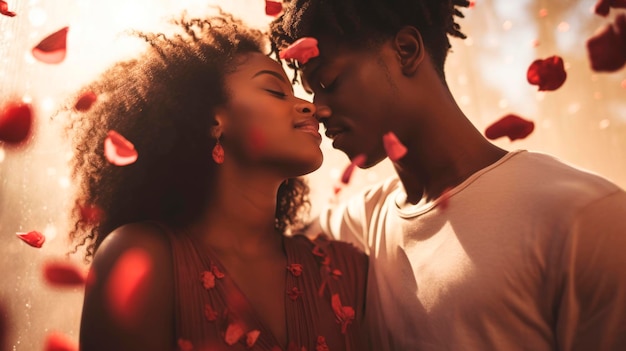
x,y
409,47
219,122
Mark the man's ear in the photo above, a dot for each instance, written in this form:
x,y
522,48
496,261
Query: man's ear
x,y
409,47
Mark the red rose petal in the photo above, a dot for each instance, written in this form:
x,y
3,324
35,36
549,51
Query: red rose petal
x,y
234,332
56,341
607,47
395,149
358,161
301,50
85,101
32,238
209,313
126,287
273,8
548,74
511,126
16,119
64,274
118,150
53,48
472,3
252,336
185,345
603,7
4,9
91,214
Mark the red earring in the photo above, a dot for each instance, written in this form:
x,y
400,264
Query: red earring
x,y
218,153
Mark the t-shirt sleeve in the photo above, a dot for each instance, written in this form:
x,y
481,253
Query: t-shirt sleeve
x,y
350,220
592,308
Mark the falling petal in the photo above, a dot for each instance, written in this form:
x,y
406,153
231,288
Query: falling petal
x,y
4,9
257,141
53,48
56,341
32,238
273,8
603,7
252,336
126,285
118,150
234,332
91,213
358,161
607,47
85,101
16,119
472,3
301,50
185,345
64,274
548,74
395,149
511,126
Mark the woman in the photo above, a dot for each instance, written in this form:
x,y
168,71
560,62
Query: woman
x,y
221,140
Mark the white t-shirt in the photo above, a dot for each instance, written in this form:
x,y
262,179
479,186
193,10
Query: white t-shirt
x,y
527,254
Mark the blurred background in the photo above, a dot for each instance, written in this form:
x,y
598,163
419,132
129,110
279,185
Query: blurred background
x,y
583,122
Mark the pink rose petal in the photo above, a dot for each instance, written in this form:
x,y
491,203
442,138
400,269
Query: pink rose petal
x,y
301,50
511,126
395,149
4,9
32,238
64,274
118,150
548,74
358,161
53,48
273,8
126,286
16,119
56,341
607,47
85,101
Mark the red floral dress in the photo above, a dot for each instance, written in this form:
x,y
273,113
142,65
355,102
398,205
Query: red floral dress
x,y
324,301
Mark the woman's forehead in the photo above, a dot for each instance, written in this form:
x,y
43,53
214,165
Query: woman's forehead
x,y
250,64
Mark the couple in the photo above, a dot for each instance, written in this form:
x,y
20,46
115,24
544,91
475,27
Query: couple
x,y
470,247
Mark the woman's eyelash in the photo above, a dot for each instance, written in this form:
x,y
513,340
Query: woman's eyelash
x,y
276,92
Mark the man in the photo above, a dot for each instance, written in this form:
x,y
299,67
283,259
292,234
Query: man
x,y
472,247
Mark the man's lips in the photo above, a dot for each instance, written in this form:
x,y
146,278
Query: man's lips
x,y
332,133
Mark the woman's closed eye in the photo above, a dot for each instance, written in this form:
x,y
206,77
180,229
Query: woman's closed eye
x,y
276,93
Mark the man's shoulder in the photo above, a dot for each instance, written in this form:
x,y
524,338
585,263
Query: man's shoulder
x,y
542,171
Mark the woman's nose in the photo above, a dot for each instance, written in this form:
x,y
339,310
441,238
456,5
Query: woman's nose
x,y
306,108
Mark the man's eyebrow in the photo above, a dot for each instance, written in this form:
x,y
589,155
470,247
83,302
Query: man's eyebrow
x,y
275,74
